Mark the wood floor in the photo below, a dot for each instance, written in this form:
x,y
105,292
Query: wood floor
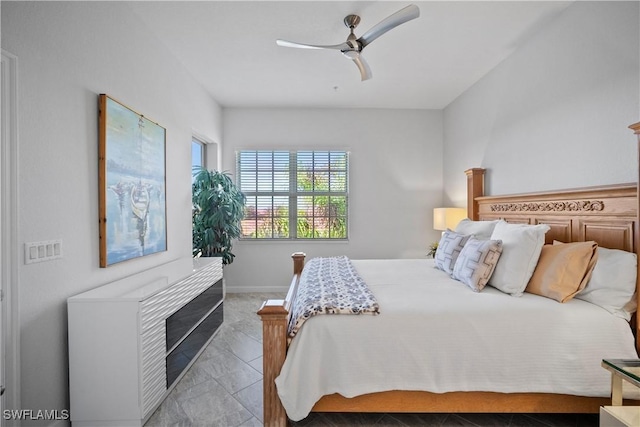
x,y
224,387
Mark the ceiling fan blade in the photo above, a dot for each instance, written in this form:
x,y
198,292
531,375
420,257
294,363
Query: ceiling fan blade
x,y
365,71
400,17
286,43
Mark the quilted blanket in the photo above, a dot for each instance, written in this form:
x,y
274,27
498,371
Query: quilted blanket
x,y
330,286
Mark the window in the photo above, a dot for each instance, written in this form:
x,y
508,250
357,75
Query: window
x,y
294,194
197,153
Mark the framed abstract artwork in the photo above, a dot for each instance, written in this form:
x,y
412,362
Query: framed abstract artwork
x,y
133,220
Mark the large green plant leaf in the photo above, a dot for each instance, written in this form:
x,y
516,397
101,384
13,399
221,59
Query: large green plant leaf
x,y
218,208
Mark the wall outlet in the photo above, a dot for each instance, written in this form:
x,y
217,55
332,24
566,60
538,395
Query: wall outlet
x,y
42,251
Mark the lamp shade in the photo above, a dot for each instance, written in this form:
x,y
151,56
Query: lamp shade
x,y
444,218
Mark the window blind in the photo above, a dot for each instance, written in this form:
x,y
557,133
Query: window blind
x,y
294,194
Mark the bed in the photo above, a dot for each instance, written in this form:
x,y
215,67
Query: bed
x,y
607,215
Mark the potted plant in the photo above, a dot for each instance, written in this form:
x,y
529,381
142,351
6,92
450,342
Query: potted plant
x,y
433,248
217,209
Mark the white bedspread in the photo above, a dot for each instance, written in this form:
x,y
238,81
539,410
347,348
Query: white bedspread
x,y
437,335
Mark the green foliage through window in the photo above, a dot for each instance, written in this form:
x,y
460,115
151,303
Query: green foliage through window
x,y
294,194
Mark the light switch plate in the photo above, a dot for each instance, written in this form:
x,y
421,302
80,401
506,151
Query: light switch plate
x,y
42,251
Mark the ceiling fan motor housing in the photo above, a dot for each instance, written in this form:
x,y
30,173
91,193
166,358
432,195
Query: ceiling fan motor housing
x,y
351,21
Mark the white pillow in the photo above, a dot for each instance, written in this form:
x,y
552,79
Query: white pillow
x,y
521,246
448,250
613,282
480,229
476,262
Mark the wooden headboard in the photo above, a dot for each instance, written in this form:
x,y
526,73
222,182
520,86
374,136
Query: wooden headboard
x,y
606,214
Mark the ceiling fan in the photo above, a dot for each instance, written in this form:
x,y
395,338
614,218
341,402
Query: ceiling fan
x,y
352,48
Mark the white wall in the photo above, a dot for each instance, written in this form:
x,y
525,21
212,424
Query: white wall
x,y
554,114
68,53
395,182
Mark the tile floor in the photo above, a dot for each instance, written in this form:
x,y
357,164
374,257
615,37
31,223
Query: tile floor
x,y
223,388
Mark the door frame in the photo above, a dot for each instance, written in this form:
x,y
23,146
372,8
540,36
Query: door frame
x,y
9,250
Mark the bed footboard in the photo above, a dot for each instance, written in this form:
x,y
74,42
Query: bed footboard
x,y
275,319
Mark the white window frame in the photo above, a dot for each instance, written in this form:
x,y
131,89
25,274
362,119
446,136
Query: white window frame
x,y
203,151
296,197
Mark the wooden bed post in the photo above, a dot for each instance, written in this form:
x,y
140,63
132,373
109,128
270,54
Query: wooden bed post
x,y
636,129
298,262
475,188
274,349
274,314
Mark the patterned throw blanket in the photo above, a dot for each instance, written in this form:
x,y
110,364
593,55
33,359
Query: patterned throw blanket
x,y
330,286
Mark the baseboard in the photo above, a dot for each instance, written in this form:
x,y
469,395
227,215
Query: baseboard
x,y
257,289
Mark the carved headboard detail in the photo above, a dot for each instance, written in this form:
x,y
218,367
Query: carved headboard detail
x,y
573,206
607,214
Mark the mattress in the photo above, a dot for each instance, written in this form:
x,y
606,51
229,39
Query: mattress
x,y
435,334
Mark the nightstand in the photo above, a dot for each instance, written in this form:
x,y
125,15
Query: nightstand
x,y
617,415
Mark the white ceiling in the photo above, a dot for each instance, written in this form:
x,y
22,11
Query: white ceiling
x,y
229,46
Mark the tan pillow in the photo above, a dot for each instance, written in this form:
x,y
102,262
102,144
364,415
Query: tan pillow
x,y
563,270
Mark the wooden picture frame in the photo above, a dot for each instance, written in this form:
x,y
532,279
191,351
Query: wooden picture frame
x,y
132,181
